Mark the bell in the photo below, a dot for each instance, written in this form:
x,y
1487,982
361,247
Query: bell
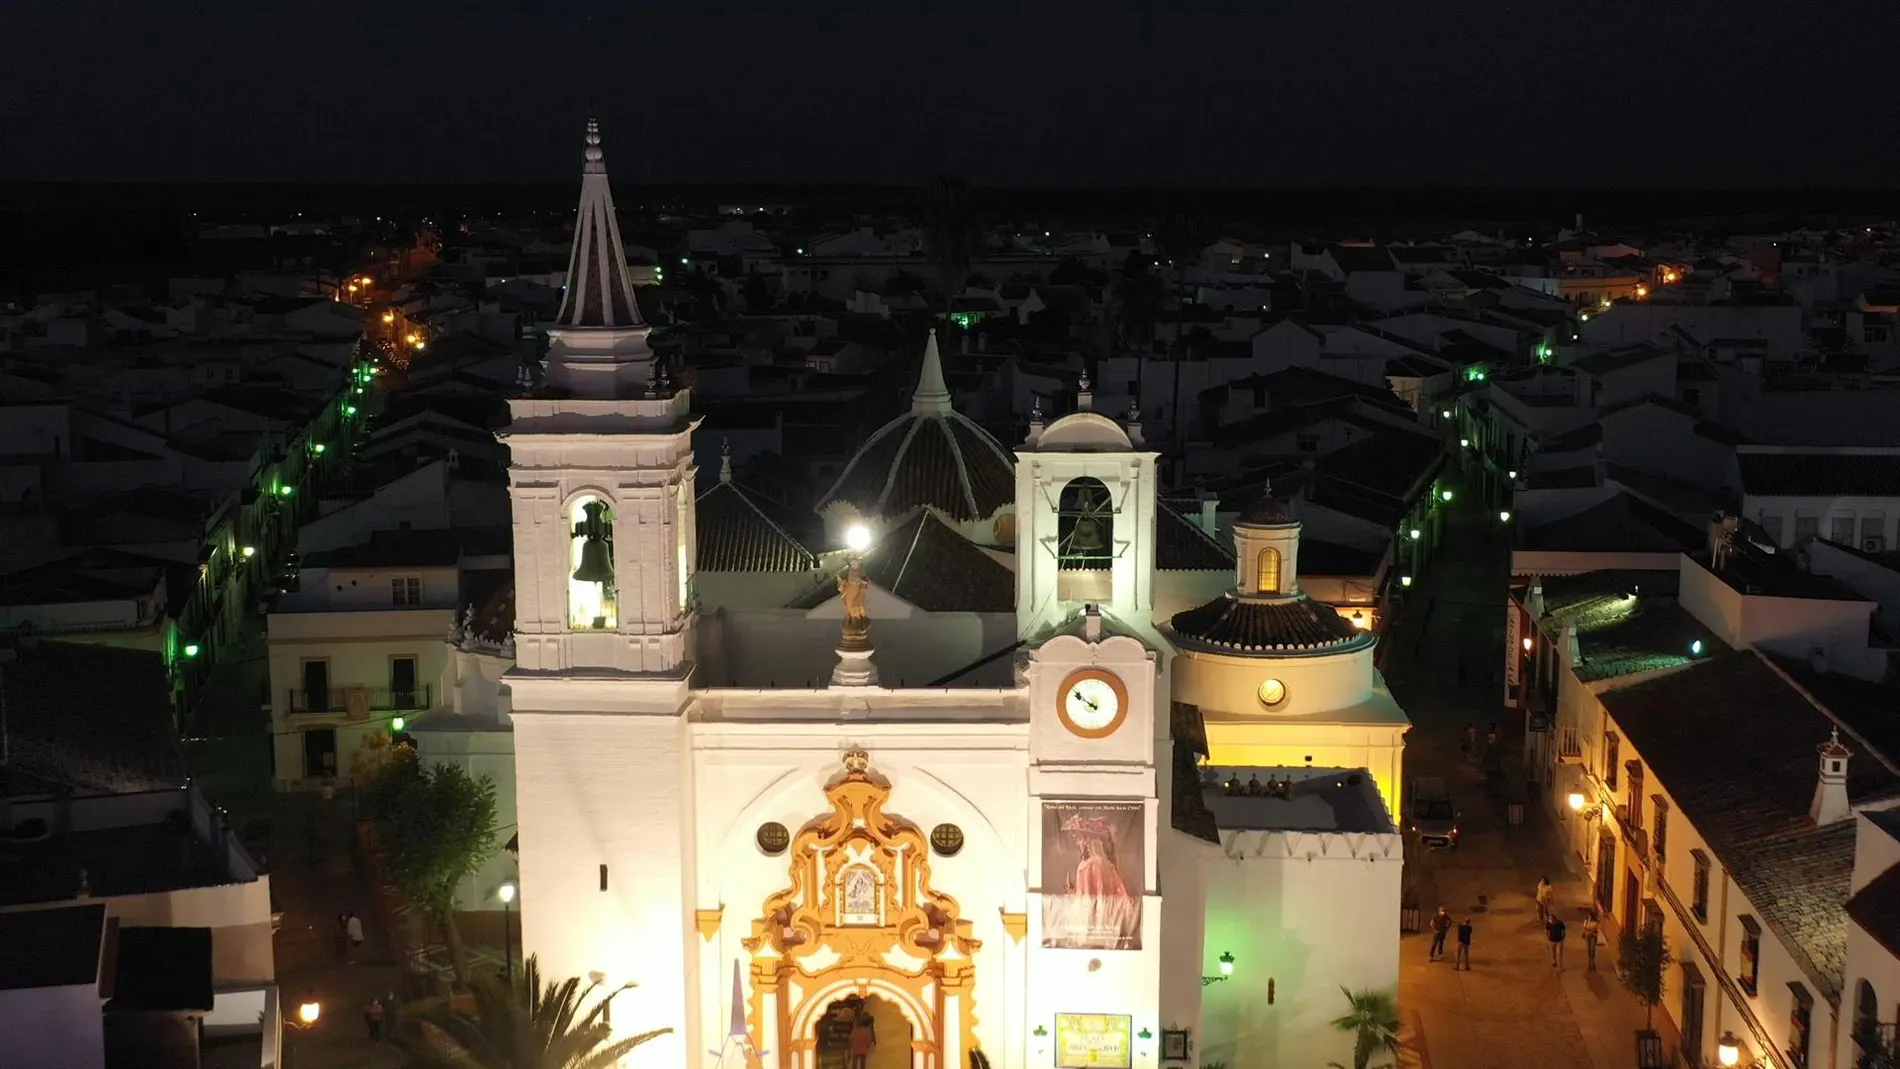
x,y
1086,539
597,564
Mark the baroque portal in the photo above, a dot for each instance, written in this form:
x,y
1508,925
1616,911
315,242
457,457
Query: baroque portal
x,y
860,919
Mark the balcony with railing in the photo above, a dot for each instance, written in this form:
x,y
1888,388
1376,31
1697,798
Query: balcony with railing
x,y
1569,746
1876,1046
359,702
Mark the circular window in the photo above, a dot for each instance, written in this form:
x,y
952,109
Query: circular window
x,y
1272,692
946,839
773,838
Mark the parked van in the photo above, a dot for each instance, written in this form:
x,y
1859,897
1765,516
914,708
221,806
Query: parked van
x,y
1433,819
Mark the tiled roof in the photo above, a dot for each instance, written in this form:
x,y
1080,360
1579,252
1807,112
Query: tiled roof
x,y
1751,805
1247,625
91,708
928,564
736,535
1876,908
944,461
1820,474
1618,524
1181,545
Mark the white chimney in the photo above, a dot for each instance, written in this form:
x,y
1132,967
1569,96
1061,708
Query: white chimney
x,y
1571,647
1210,523
1830,795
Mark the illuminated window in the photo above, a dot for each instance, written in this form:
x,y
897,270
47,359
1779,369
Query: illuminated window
x,y
1751,954
590,588
1800,1022
1269,568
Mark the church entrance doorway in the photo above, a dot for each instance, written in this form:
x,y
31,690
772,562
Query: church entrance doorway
x,y
864,1033
860,963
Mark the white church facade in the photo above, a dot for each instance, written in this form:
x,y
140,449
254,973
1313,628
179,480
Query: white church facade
x,y
1030,772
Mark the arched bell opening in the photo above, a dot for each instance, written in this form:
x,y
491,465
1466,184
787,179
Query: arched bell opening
x,y
1085,541
1268,571
590,586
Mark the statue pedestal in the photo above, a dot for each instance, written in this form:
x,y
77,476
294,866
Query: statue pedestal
x,y
854,669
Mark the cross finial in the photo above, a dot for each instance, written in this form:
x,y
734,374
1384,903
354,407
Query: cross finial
x,y
592,159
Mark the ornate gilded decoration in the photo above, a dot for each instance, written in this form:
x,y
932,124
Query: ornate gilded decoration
x,y
1016,924
707,920
860,917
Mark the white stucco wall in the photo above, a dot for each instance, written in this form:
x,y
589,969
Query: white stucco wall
x,y
1302,914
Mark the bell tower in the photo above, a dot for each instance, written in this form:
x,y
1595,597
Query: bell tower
x,y
1085,519
601,478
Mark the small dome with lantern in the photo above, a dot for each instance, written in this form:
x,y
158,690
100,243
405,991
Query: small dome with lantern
x,y
1266,612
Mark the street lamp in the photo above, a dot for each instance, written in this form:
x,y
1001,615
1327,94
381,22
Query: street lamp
x,y
249,552
1444,495
1528,643
857,538
1226,969
506,892
1728,1050
1413,534
1464,443
309,1011
1504,515
1576,801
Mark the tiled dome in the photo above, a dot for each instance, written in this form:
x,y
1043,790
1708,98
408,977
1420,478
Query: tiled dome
x,y
1250,625
930,455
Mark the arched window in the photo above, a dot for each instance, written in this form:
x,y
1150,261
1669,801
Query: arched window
x,y
590,586
1085,526
1867,1017
1269,571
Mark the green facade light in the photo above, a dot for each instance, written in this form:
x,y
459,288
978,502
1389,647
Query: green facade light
x,y
398,723
191,649
286,491
1464,443
1444,495
249,552
1405,580
1504,515
1413,534
1695,648
349,410
318,447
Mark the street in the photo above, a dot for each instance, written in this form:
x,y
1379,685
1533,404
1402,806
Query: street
x,y
1512,1009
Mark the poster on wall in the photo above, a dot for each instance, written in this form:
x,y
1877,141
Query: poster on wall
x,y
1092,874
1094,1041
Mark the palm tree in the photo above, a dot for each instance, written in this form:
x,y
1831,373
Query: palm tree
x,y
1374,1024
522,1025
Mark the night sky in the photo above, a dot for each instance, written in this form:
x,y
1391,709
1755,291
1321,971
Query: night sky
x,y
1554,94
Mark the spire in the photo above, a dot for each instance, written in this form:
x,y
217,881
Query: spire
x,y
932,396
1084,398
598,292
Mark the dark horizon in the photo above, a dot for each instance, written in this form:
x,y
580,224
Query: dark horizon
x,y
1454,94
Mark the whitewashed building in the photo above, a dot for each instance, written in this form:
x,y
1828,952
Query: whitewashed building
x,y
979,780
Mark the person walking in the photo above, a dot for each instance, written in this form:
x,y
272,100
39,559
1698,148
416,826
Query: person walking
x,y
373,1018
355,926
1554,931
1592,934
1463,960
1441,926
1545,893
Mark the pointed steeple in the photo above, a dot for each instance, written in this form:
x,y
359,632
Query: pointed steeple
x,y
932,396
598,291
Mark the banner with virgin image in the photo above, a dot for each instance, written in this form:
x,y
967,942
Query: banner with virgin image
x,y
1092,874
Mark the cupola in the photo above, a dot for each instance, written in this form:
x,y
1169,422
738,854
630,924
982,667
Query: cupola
x,y
1267,551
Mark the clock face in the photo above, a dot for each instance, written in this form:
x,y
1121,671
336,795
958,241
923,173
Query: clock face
x,y
1272,692
1093,703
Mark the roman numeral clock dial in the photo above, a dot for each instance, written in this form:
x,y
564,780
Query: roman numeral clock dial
x,y
1092,703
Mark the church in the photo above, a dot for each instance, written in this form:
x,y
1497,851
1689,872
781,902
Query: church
x,y
1028,768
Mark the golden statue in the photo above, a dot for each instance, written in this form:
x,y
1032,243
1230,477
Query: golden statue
x,y
853,587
